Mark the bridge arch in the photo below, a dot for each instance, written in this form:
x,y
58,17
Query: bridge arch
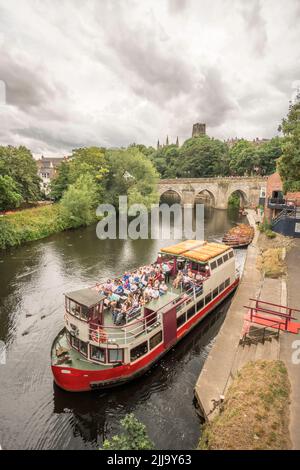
x,y
170,196
244,200
205,196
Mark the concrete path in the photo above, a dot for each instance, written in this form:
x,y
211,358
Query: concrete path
x,y
216,373
287,342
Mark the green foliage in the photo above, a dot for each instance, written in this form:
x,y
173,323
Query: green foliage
x,y
234,201
61,182
130,173
243,158
289,163
265,226
270,234
19,164
77,206
133,437
147,151
10,198
202,157
30,224
267,155
166,161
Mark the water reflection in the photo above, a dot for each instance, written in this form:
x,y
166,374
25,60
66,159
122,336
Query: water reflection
x,y
33,414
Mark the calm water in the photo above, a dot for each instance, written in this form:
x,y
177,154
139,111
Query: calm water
x,y
34,413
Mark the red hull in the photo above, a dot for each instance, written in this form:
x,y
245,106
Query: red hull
x,y
75,380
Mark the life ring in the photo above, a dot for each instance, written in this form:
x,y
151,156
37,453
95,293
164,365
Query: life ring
x,y
99,336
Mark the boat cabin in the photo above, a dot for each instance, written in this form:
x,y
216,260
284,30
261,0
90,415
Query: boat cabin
x,y
206,273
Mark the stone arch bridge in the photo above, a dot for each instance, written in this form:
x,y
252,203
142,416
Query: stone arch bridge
x,y
219,189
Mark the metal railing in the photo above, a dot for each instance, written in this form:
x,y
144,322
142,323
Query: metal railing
x,y
127,333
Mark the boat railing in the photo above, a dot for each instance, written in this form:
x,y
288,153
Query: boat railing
x,y
127,333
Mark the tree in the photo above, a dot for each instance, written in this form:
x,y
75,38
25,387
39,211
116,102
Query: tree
x,y
19,164
77,206
267,154
60,183
289,163
165,160
203,157
89,161
243,158
130,174
147,151
134,436
10,198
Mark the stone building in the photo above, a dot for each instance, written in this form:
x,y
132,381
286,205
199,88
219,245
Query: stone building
x,y
199,129
47,170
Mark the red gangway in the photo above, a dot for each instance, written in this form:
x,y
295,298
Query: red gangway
x,y
273,315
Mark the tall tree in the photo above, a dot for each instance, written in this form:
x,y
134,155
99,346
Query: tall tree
x,y
243,158
61,182
203,157
289,163
130,173
19,164
10,198
267,155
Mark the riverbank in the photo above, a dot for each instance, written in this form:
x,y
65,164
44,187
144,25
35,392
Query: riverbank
x,y
229,355
32,224
254,413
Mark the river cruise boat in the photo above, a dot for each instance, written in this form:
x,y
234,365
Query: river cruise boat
x,y
96,349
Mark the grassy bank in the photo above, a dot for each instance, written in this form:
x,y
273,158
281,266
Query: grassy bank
x,y
31,224
255,412
272,254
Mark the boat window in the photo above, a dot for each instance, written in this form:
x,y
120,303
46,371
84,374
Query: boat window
x,y
191,312
115,355
221,287
225,257
215,292
208,298
213,265
84,312
231,254
83,347
200,304
74,308
220,261
139,351
75,342
155,340
227,282
98,354
181,320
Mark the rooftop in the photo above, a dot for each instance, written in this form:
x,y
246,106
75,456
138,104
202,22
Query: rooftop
x,y
196,250
87,297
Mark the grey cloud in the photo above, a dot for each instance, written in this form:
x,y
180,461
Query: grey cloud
x,y
26,86
177,6
255,24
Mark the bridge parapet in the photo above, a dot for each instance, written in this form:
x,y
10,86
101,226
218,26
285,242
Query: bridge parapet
x,y
249,188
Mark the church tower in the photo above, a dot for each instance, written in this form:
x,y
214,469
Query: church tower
x,y
167,141
177,142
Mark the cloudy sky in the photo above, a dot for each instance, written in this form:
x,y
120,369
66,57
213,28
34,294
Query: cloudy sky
x,y
112,72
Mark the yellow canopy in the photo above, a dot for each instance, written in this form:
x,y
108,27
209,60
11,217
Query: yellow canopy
x,y
181,247
206,252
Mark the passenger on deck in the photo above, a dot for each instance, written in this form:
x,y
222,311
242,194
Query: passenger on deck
x,y
155,293
113,300
166,269
177,280
108,286
163,288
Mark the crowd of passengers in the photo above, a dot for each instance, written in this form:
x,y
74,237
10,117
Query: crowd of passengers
x,y
126,296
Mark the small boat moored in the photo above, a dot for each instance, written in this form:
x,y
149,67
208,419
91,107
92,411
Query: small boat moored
x,y
116,331
239,236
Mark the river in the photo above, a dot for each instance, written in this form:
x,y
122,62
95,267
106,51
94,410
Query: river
x,y
34,412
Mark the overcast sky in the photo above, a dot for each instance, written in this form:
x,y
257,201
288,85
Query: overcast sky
x,y
113,72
